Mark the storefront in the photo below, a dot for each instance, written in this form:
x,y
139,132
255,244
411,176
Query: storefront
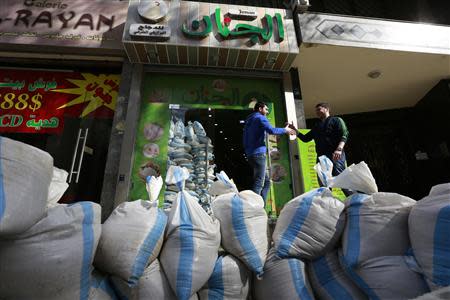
x,y
60,85
204,64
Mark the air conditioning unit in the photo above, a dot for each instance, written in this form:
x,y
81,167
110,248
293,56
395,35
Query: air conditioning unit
x,y
297,6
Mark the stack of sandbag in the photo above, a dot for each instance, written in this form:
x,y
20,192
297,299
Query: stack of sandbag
x,y
191,243
229,280
429,231
52,259
329,280
178,155
25,175
283,279
375,240
132,238
243,225
309,225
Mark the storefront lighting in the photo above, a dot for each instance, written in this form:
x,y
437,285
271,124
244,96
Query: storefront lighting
x,y
225,138
209,108
241,121
221,131
215,124
210,116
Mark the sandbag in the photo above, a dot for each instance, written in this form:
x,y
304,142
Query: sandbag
x,y
329,281
230,280
58,186
243,226
429,231
283,279
101,288
52,260
377,225
387,278
153,284
25,175
191,243
309,225
132,238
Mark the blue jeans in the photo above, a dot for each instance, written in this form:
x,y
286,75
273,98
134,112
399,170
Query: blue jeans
x,y
261,182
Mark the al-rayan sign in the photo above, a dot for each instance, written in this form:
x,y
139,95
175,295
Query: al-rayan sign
x,y
82,23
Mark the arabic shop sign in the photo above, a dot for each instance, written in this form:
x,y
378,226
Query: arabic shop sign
x,y
62,22
235,22
37,101
202,28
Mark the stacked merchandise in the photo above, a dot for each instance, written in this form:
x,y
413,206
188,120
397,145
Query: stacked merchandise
x,y
191,148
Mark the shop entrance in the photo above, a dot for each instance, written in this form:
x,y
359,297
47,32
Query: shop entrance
x,y
225,128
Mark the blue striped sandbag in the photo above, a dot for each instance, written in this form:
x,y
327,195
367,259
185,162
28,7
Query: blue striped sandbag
x,y
429,231
191,246
66,239
309,225
376,225
135,233
25,176
387,277
283,279
329,280
230,280
101,288
243,224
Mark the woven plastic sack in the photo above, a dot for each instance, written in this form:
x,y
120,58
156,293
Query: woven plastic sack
x,y
132,238
387,278
429,231
230,280
52,260
152,285
377,225
283,279
101,288
243,225
57,187
329,280
309,225
192,241
25,175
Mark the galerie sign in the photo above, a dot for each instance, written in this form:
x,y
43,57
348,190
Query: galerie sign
x,y
62,22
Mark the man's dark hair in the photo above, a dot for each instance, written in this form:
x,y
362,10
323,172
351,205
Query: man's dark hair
x,y
258,105
323,104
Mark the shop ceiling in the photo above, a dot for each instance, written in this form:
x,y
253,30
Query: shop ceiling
x,y
363,65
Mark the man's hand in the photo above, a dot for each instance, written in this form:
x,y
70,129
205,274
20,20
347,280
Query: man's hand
x,y
337,154
290,131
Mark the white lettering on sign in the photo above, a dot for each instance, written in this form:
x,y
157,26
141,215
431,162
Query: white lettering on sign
x,y
159,31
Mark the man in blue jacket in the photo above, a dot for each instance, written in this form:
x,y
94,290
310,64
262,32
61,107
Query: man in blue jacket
x,y
256,127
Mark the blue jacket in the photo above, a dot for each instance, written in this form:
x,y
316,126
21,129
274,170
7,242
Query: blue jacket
x,y
255,129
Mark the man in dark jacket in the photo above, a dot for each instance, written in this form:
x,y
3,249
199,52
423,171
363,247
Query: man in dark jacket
x,y
330,136
256,127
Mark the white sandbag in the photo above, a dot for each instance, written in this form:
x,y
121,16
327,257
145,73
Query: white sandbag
x,y
132,238
388,278
440,294
355,177
283,279
25,175
429,231
309,225
191,244
153,284
377,225
243,226
223,185
153,186
329,281
52,260
58,186
230,280
101,288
